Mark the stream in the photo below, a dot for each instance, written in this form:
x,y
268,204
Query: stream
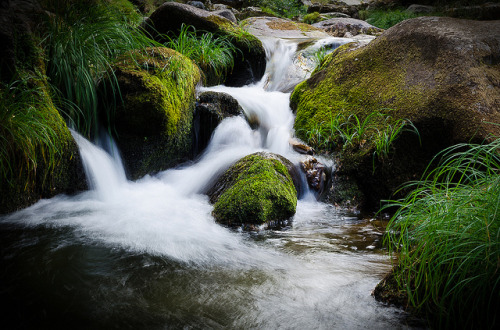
x,y
148,254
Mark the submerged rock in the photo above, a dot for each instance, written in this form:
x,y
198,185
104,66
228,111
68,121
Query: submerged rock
x,y
154,122
440,73
249,59
256,190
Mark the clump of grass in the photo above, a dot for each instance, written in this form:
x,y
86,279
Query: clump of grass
x,y
26,138
311,18
213,54
342,132
281,8
384,19
446,234
81,43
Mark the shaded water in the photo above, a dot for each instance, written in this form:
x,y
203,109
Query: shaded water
x,y
148,254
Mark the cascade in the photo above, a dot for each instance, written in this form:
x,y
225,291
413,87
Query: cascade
x,y
148,254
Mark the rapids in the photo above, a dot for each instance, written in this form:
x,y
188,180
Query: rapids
x,y
148,254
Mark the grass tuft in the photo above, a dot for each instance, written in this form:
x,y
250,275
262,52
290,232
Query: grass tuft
x,y
26,138
213,54
447,235
81,43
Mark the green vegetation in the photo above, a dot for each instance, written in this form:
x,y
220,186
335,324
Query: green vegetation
x,y
81,43
384,19
342,131
311,18
446,234
27,136
213,55
281,8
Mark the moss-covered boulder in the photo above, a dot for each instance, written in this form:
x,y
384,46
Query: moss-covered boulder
x,y
258,189
442,74
250,56
38,156
153,124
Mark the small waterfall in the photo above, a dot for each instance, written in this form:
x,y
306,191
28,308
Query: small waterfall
x,y
104,172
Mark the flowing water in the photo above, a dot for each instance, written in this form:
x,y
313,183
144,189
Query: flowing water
x,y
148,254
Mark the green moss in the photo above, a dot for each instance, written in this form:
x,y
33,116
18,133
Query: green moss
x,y
154,121
260,190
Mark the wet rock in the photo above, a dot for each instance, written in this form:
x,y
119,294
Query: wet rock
x,y
316,174
211,109
256,190
440,73
301,147
154,122
249,59
347,27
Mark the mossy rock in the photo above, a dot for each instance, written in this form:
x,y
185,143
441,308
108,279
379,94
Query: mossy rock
x,y
45,168
153,124
250,56
256,190
443,74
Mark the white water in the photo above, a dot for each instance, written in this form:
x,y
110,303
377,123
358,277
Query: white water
x,y
308,276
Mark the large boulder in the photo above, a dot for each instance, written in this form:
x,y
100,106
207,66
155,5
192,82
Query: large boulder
x,y
250,56
282,28
153,124
38,156
256,190
443,74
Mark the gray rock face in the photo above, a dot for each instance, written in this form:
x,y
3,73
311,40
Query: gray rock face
x,y
226,13
282,28
340,7
347,27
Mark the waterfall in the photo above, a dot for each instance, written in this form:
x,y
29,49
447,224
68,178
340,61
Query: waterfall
x,y
148,254
104,171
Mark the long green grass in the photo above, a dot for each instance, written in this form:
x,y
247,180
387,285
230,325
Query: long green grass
x,y
281,8
384,19
81,42
26,137
213,54
353,131
446,234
